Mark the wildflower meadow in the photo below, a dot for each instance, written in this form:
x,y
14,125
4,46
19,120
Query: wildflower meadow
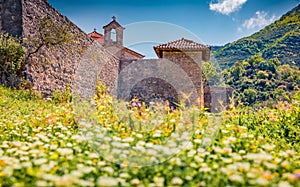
x,y
47,143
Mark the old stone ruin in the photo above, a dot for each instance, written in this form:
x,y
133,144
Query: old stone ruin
x,y
175,75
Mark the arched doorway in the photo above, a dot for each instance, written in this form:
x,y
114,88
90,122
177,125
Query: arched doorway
x,y
155,90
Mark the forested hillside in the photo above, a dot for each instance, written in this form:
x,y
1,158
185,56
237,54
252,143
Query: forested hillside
x,y
279,40
262,81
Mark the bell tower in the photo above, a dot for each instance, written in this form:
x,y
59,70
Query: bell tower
x,y
113,33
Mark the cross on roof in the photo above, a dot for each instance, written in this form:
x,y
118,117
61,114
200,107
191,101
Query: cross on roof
x,y
114,17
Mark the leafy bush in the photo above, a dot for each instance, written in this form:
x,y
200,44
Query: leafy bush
x,y
11,60
62,96
249,96
262,74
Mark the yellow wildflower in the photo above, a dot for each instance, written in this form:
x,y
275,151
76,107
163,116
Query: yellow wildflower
x,y
2,163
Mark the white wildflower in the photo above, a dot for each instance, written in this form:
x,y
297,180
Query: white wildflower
x,y
236,178
40,161
53,146
16,144
135,181
26,164
284,184
87,169
69,145
151,152
244,165
176,181
107,181
270,165
159,181
191,153
204,169
101,163
42,183
268,147
231,139
77,138
94,155
262,182
124,175
65,151
140,136
128,139
109,170
197,141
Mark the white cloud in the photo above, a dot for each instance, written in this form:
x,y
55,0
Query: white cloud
x,y
226,6
260,20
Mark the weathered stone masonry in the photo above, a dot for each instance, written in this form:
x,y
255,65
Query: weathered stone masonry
x,y
23,18
175,76
11,17
83,62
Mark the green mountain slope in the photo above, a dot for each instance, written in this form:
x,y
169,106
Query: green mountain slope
x,y
279,40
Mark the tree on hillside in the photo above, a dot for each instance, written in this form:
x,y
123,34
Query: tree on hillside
x,y
258,80
210,75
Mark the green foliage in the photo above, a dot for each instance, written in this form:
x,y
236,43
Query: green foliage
x,y
210,75
262,74
11,58
237,71
278,40
62,96
260,80
50,35
289,73
249,96
41,145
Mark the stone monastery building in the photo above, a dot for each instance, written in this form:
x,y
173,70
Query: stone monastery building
x,y
175,75
177,70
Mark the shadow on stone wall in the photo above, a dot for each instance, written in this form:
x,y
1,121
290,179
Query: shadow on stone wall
x,y
154,90
156,79
217,98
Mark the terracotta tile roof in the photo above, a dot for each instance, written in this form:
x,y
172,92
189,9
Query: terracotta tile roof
x,y
181,44
97,37
95,34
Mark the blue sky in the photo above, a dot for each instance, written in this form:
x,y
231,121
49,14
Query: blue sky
x,y
150,22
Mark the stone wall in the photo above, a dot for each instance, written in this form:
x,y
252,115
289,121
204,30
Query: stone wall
x,y
154,90
191,64
155,79
11,17
173,78
55,67
1,15
83,62
217,98
96,65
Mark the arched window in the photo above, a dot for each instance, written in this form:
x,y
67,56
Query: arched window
x,y
114,35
